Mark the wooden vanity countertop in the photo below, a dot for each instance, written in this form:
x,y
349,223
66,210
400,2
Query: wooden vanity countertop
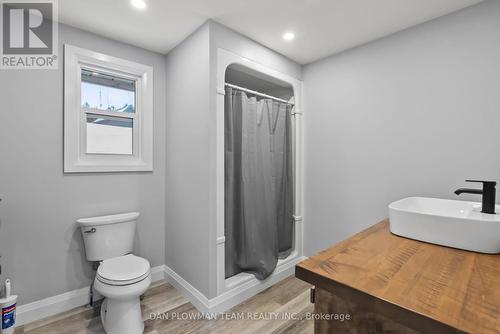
x,y
425,286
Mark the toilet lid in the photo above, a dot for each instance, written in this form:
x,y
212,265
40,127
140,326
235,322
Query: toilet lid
x,y
123,270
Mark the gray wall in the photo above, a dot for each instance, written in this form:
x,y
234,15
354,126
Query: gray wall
x,y
414,114
225,38
188,171
190,248
411,114
41,248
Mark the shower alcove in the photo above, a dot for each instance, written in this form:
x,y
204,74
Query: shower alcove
x,y
260,82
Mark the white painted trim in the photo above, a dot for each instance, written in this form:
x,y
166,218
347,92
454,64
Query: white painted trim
x,y
196,298
54,305
158,273
233,296
76,160
50,306
221,240
226,58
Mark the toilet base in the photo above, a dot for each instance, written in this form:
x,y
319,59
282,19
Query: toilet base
x,y
121,308
122,316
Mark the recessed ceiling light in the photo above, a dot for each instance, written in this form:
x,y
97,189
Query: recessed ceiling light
x,y
140,4
289,36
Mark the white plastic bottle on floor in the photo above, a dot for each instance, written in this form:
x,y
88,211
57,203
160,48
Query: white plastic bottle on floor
x,y
8,310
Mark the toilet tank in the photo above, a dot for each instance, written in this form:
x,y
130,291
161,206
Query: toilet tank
x,y
108,236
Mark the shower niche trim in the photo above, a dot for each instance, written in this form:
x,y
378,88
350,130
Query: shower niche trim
x,y
235,289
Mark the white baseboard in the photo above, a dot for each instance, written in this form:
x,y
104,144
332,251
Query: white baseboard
x,y
50,306
233,296
64,302
196,298
69,300
158,273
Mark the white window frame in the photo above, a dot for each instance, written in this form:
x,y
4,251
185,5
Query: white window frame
x,y
76,159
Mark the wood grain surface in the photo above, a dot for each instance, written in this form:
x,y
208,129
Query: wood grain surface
x,y
288,296
430,288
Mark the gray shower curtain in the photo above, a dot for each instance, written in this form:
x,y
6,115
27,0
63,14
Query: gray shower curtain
x,y
258,184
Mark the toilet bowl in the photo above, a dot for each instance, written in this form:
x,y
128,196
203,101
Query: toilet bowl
x,y
122,280
121,276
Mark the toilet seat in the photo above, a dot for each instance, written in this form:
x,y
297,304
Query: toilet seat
x,y
123,270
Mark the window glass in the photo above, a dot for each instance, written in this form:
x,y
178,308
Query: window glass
x,y
105,92
108,113
109,135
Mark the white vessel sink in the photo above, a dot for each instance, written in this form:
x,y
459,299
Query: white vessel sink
x,y
444,222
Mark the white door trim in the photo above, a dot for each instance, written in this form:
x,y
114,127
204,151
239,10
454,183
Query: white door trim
x,y
224,59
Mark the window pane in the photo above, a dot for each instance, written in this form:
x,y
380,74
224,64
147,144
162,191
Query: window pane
x,y
106,92
109,135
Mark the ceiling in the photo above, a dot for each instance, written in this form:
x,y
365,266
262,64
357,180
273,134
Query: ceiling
x,y
322,27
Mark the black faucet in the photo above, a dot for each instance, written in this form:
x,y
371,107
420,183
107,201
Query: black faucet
x,y
488,192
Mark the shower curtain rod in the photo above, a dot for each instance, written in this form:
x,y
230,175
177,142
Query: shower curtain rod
x,y
253,92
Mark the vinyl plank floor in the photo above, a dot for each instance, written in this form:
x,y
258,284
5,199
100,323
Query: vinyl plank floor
x,y
279,309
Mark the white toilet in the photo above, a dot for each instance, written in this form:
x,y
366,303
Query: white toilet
x,y
121,277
